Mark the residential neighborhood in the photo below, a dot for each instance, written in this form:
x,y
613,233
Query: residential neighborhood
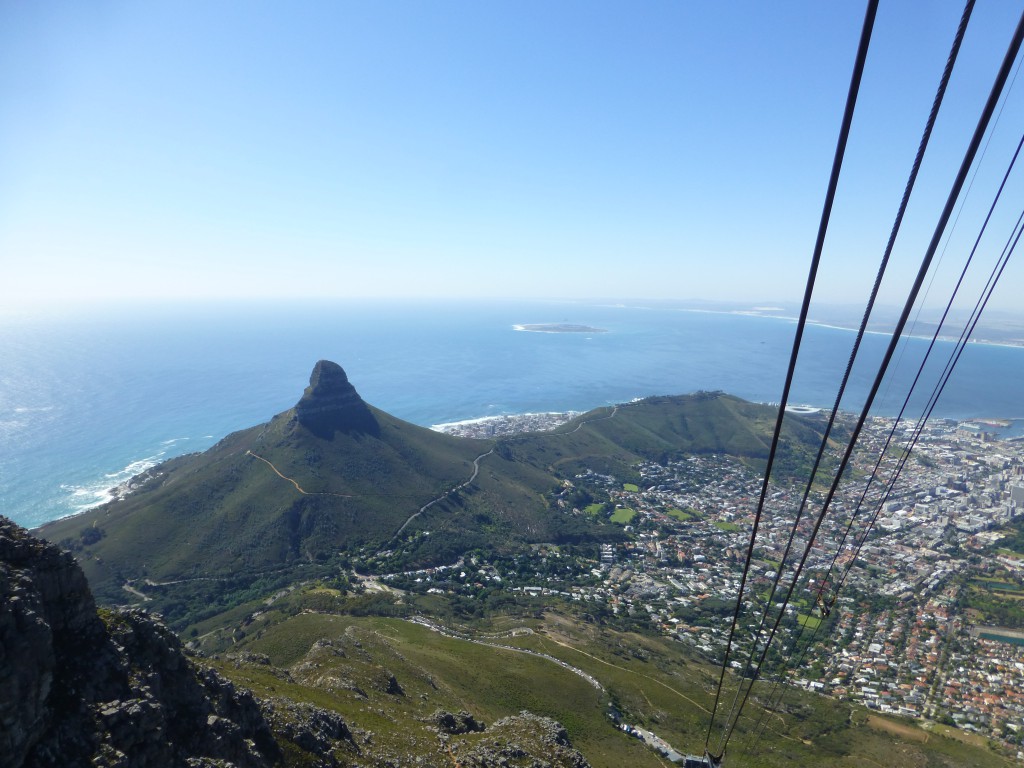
x,y
895,620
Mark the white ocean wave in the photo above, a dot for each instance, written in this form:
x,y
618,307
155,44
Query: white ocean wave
x,y
85,497
97,498
136,467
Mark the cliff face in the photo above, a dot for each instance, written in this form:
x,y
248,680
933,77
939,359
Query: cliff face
x,y
79,689
331,404
45,609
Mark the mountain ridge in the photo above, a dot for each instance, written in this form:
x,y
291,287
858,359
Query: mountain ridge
x,y
334,479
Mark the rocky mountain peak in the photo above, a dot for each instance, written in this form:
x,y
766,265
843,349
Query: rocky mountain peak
x,y
327,377
331,404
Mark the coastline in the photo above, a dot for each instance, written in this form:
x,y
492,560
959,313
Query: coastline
x,y
73,431
557,328
507,424
772,313
1015,344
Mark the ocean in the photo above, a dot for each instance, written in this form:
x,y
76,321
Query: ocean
x,y
89,399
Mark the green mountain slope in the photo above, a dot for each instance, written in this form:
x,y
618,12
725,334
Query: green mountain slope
x,y
331,474
392,677
660,428
334,478
301,680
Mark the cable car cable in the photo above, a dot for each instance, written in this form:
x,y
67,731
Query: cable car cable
x,y
915,168
851,100
897,223
968,160
951,363
947,370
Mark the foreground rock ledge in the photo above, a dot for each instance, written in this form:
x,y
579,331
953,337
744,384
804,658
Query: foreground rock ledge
x,y
107,688
114,689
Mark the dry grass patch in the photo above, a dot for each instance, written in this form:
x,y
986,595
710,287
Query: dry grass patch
x,y
965,737
903,730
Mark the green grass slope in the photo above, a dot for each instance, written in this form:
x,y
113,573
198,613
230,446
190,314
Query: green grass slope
x,y
388,676
663,428
292,499
266,497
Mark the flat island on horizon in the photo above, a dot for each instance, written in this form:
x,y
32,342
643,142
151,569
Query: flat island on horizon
x,y
558,328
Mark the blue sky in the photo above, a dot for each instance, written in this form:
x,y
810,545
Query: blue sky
x,y
168,150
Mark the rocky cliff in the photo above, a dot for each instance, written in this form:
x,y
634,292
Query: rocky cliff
x,y
81,687
331,404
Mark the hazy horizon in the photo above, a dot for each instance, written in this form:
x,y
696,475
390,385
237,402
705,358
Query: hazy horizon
x,y
196,152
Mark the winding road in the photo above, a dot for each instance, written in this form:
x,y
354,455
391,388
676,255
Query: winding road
x,y
476,471
445,495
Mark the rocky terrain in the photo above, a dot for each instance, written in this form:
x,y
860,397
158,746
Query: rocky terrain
x,y
330,404
524,740
80,687
114,688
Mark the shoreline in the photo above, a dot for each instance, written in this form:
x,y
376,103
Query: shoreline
x,y
852,329
506,424
557,328
768,314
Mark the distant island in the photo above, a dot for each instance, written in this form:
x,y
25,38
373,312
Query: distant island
x,y
558,328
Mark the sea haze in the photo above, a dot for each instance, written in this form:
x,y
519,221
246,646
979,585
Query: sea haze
x,y
86,401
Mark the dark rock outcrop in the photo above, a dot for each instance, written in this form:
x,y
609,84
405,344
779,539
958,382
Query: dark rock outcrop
x,y
461,723
521,741
331,404
79,687
315,730
45,611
